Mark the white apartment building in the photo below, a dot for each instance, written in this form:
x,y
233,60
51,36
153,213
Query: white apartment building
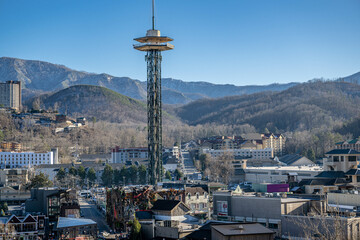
x,y
25,159
265,153
280,174
121,155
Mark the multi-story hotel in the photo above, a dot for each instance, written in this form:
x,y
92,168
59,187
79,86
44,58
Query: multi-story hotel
x,y
353,144
265,153
25,159
121,155
10,94
246,141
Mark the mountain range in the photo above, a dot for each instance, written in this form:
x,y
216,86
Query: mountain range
x,y
277,107
302,107
40,77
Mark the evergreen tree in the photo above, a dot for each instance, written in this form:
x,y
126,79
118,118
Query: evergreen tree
x,y
178,174
73,171
81,172
117,176
133,174
124,173
91,175
107,176
61,174
168,175
40,180
142,174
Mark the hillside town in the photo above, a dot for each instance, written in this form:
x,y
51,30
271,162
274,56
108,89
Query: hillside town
x,y
88,156
244,186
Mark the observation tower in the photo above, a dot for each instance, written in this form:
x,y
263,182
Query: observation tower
x,y
153,44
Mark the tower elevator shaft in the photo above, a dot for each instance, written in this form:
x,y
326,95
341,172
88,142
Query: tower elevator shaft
x,y
154,115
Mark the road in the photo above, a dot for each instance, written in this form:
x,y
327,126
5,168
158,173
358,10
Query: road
x,y
188,164
90,211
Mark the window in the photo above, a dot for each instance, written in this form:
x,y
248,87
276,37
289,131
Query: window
x,y
273,225
222,207
352,158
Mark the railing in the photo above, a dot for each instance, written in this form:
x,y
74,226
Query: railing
x,y
153,44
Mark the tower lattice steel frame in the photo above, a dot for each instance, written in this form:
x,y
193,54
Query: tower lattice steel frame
x,y
153,43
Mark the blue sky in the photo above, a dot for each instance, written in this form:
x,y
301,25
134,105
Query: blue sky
x,y
240,42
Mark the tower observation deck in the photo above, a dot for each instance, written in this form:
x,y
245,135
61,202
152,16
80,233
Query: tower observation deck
x,y
153,44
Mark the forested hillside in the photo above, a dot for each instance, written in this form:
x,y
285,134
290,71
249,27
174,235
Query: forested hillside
x,y
94,101
303,107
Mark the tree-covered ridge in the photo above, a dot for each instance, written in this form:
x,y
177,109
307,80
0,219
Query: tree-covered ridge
x,y
303,107
88,101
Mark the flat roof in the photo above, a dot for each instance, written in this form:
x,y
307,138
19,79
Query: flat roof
x,y
241,229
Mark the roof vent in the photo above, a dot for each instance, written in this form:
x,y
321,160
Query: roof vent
x,y
241,227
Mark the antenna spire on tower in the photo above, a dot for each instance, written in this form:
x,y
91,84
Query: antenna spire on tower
x,y
153,14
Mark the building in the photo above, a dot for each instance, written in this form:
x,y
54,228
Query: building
x,y
266,209
171,221
332,226
81,120
243,231
341,160
295,160
53,203
123,155
222,142
197,198
275,142
28,227
265,153
279,174
74,228
170,163
25,159
10,94
10,146
353,144
14,194
14,177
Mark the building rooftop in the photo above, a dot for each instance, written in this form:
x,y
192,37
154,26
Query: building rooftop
x,y
166,205
331,174
290,158
355,171
342,151
241,229
289,168
65,222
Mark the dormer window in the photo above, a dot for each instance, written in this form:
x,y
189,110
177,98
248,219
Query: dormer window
x,y
197,195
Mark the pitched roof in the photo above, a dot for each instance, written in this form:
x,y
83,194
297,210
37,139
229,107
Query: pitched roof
x,y
143,215
322,181
252,136
290,158
194,190
65,222
331,174
342,151
354,171
165,205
